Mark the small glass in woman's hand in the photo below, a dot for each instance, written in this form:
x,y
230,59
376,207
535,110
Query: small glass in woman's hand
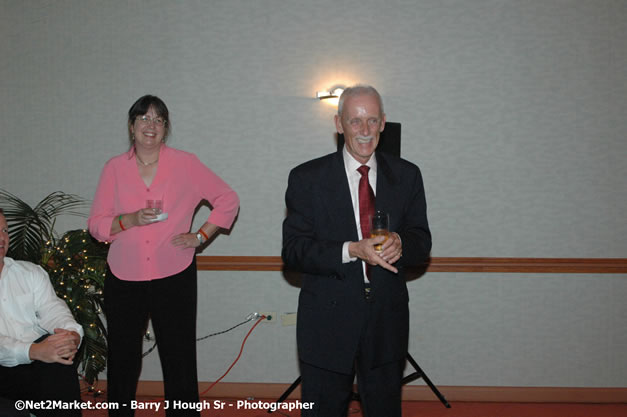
x,y
155,205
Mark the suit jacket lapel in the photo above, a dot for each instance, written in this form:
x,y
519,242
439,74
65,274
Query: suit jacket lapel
x,y
339,203
386,184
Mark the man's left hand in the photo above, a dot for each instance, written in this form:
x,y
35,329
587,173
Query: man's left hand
x,y
364,250
392,249
75,339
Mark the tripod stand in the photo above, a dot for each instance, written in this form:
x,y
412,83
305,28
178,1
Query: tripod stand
x,y
418,373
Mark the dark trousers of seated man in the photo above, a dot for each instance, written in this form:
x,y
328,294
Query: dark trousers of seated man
x,y
40,381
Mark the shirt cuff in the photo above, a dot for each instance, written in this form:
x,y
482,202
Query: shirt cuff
x,y
346,258
102,229
78,329
22,354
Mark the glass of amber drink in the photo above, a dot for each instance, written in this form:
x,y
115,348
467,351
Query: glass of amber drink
x,y
380,226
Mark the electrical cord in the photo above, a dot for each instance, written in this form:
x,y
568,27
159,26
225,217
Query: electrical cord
x,y
250,317
259,320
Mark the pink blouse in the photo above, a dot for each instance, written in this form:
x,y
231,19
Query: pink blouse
x,y
145,253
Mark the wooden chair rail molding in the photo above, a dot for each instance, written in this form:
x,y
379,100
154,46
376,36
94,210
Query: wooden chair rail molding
x,y
521,265
410,392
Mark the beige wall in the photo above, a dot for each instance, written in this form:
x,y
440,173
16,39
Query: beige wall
x,y
514,110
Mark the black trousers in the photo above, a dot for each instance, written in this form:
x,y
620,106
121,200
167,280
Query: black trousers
x,y
379,388
171,305
39,381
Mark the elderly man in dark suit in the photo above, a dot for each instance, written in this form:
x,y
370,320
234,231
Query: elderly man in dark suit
x,y
353,314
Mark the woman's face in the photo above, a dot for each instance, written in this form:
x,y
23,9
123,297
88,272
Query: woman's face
x,y
148,130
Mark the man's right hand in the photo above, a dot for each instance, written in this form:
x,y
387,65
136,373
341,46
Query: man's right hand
x,y
364,250
59,347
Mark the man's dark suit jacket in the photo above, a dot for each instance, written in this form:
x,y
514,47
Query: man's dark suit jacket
x,y
332,307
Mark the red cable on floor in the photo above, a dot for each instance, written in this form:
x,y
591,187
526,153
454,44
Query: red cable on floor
x,y
238,356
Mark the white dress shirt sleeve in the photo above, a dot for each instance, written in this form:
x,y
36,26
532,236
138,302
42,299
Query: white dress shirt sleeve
x,y
30,309
346,258
52,311
13,352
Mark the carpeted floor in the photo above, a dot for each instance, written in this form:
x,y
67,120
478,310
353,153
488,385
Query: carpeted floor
x,y
259,408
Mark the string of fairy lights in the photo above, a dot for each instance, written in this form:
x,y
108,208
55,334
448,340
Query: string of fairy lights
x,y
76,264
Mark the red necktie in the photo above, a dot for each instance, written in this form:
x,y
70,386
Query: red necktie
x,y
366,201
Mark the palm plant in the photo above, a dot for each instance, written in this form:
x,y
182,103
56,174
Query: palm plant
x,y
30,228
75,263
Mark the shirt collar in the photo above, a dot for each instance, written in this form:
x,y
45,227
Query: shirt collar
x,y
7,264
131,152
352,164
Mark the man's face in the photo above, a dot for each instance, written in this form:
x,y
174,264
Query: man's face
x,y
4,237
361,122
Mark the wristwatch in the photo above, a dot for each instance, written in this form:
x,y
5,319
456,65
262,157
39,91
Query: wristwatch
x,y
199,237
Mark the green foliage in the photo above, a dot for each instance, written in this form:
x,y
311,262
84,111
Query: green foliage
x,y
30,228
75,262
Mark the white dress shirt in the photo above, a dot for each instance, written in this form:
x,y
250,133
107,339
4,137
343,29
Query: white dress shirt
x,y
29,309
351,165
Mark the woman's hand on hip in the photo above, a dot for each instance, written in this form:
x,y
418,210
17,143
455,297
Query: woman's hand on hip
x,y
186,240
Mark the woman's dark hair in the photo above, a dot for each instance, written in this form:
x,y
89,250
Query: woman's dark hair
x,y
141,107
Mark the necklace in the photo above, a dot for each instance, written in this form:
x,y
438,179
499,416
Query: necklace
x,y
146,163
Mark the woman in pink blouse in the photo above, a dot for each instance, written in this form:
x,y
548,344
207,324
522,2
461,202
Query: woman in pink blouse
x,y
152,267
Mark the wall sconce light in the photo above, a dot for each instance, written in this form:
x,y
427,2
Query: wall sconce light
x,y
332,96
334,93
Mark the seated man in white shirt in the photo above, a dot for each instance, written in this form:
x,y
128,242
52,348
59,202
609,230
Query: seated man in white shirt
x,y
39,337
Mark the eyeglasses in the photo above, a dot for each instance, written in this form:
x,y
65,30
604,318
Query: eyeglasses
x,y
147,120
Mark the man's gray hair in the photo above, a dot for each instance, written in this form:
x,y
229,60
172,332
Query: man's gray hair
x,y
1,211
358,90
